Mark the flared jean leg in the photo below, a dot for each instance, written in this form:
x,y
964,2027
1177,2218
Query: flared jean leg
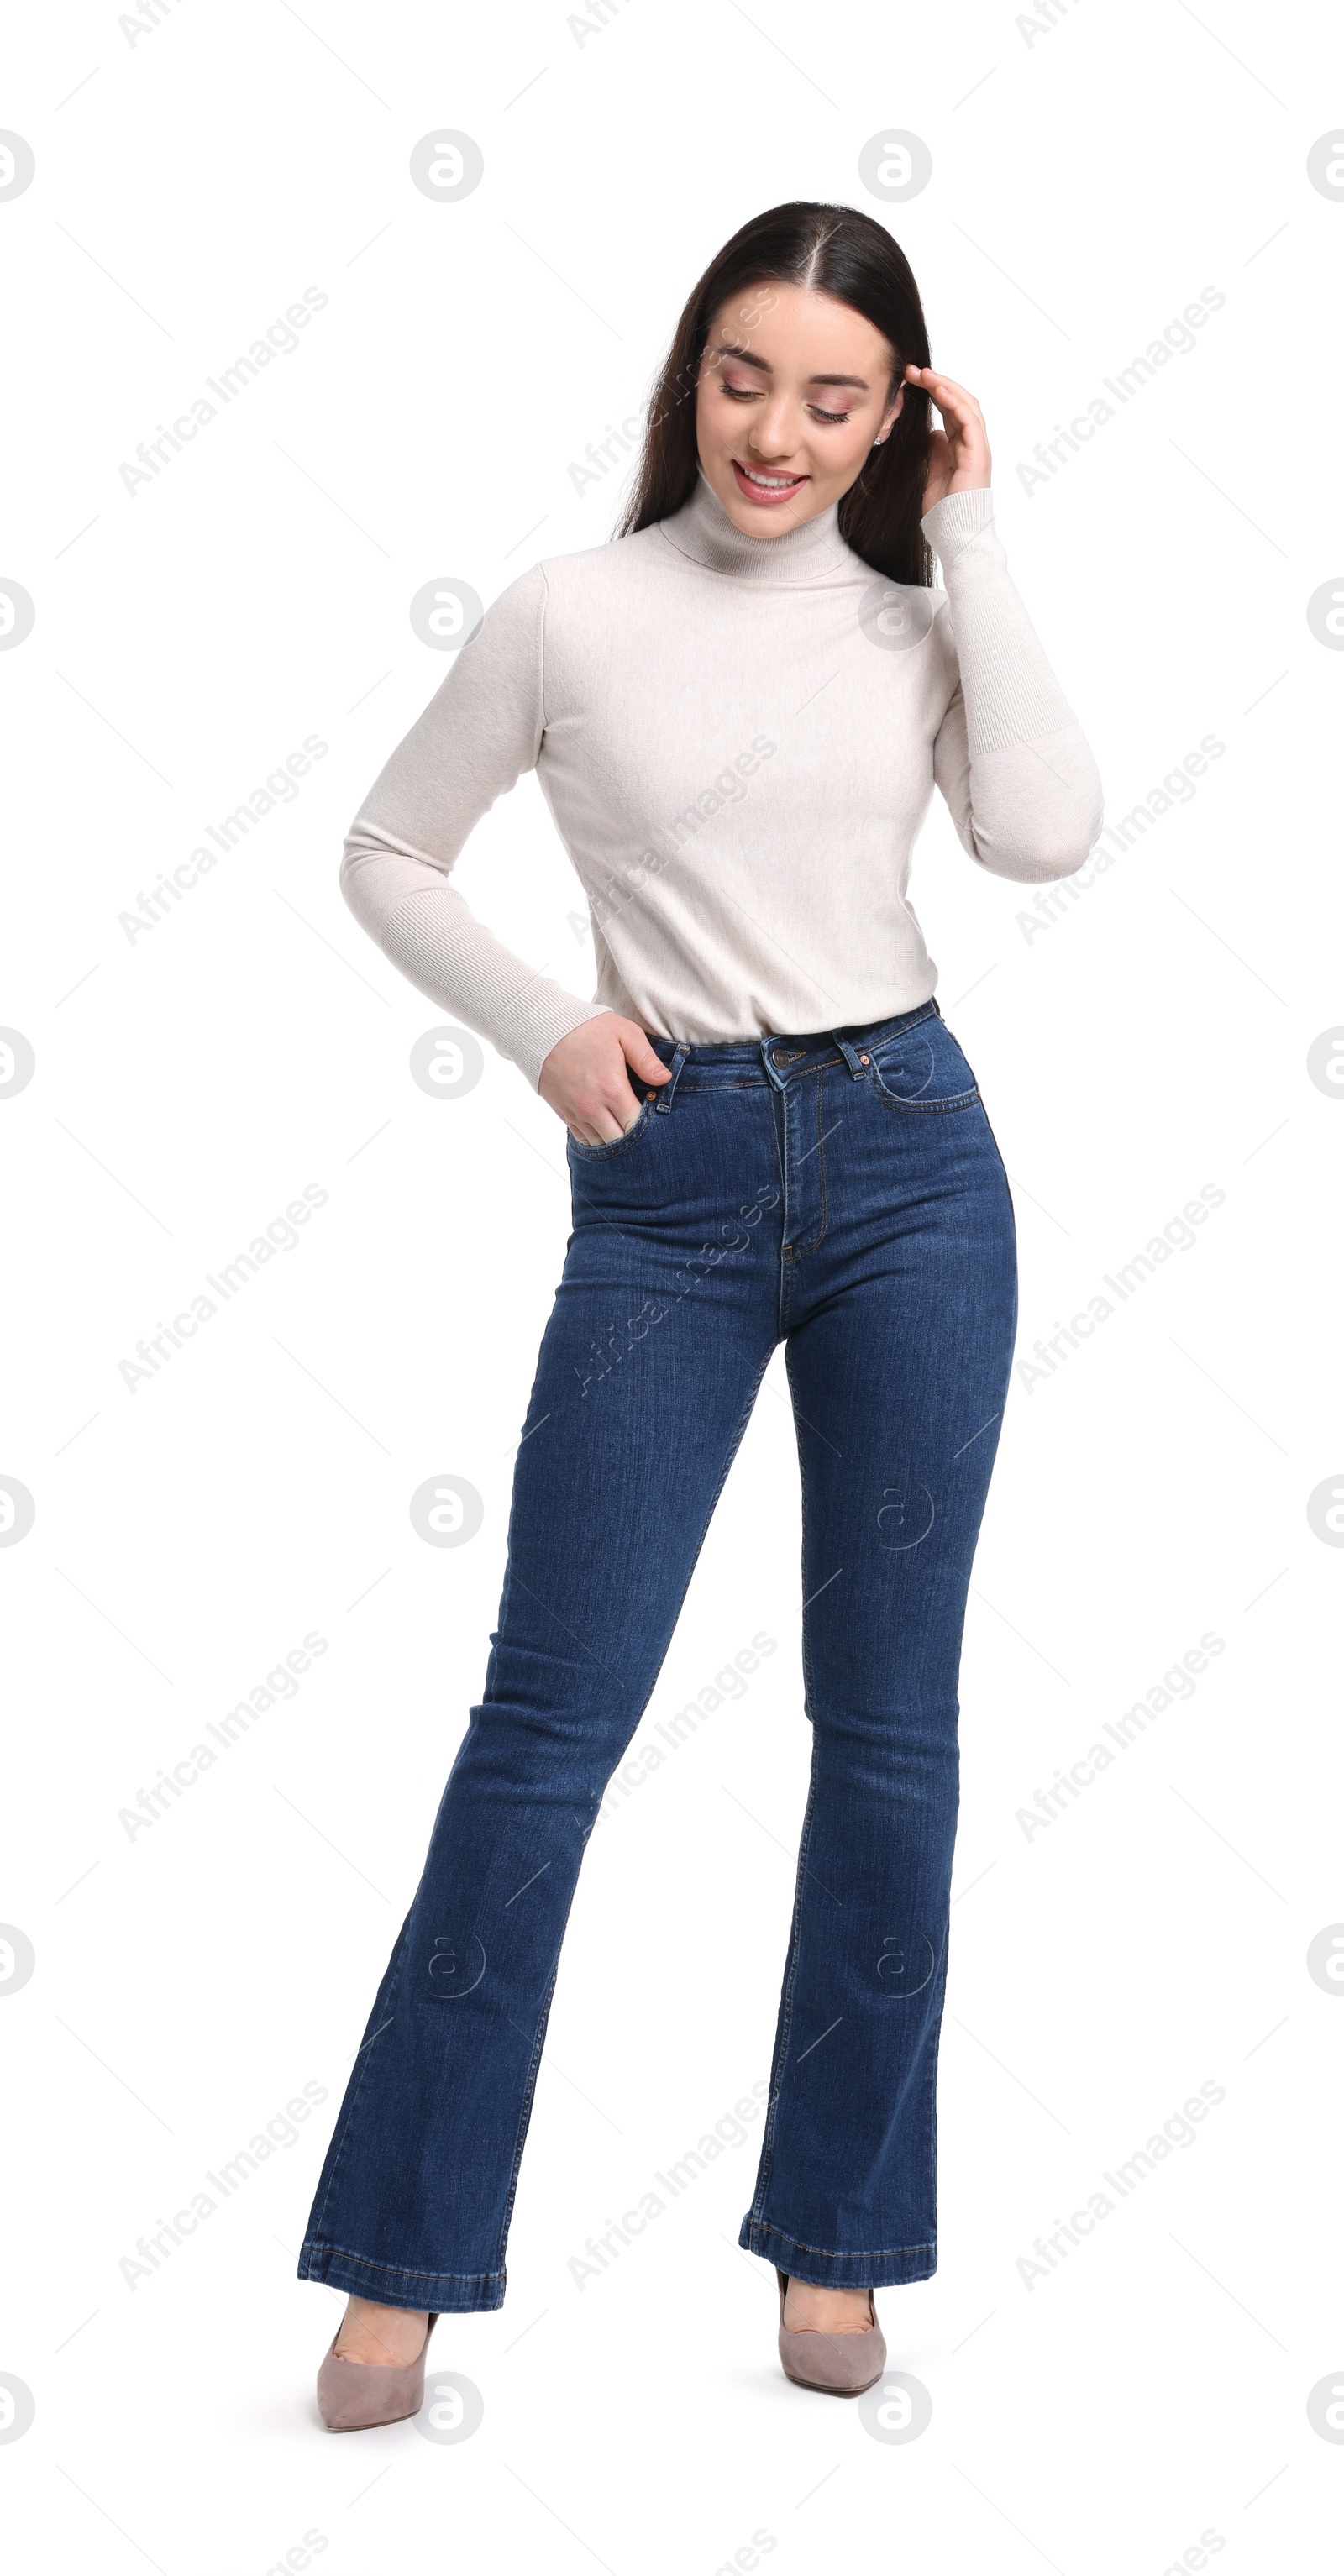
x,y
844,1195
648,1370
899,1369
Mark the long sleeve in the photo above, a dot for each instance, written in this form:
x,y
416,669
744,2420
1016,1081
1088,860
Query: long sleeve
x,y
477,736
1020,782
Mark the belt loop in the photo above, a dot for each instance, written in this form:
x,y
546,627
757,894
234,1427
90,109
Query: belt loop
x,y
662,1097
851,1055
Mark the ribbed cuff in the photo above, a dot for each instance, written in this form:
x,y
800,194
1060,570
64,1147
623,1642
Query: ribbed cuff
x,y
429,933
952,522
546,1029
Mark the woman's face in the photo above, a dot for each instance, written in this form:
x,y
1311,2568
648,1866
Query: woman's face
x,y
793,393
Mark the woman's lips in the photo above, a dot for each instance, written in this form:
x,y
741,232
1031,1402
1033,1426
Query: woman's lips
x,y
765,495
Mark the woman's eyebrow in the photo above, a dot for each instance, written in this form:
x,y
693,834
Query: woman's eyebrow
x,y
747,358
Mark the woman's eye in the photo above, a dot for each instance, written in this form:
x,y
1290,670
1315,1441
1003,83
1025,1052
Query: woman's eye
x,y
751,393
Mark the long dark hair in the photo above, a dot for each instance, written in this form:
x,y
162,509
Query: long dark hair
x,y
836,251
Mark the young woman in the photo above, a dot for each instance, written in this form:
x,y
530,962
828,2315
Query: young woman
x,y
737,714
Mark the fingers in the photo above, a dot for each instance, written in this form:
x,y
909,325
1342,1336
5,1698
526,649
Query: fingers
x,y
597,1114
958,454
950,397
961,412
606,1105
603,1121
588,1078
599,1128
639,1055
639,1058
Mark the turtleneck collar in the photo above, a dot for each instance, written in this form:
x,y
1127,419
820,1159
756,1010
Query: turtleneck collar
x,y
703,530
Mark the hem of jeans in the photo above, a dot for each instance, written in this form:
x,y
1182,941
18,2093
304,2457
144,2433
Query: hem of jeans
x,y
883,2267
392,2285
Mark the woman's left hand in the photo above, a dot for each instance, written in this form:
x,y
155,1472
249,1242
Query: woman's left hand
x,y
958,458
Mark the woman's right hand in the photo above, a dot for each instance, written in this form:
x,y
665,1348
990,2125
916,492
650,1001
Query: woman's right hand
x,y
586,1078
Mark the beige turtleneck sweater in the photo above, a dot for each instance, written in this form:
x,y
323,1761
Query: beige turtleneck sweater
x,y
738,738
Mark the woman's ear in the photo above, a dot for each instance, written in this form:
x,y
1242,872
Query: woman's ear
x,y
890,419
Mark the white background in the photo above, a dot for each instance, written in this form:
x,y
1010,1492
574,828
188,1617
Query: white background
x,y
1090,177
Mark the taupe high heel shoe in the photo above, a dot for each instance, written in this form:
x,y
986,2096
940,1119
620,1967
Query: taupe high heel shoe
x,y
840,2365
352,2395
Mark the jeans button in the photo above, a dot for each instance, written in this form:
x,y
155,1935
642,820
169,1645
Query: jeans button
x,y
779,1056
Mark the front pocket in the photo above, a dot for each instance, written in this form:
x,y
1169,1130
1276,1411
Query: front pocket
x,y
614,1144
927,1076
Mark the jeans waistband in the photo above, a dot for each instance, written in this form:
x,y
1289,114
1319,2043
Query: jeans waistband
x,y
777,1058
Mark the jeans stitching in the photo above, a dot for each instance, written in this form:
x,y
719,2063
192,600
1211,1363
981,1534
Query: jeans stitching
x,y
785,2031
341,2141
821,1154
809,1681
394,2271
777,1117
616,1144
733,1446
529,2094
920,1108
931,2079
838,2254
800,1251
923,1108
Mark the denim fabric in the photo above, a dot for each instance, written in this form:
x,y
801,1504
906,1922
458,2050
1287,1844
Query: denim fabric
x,y
842,1193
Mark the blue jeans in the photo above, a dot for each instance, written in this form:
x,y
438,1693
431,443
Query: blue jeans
x,y
842,1194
